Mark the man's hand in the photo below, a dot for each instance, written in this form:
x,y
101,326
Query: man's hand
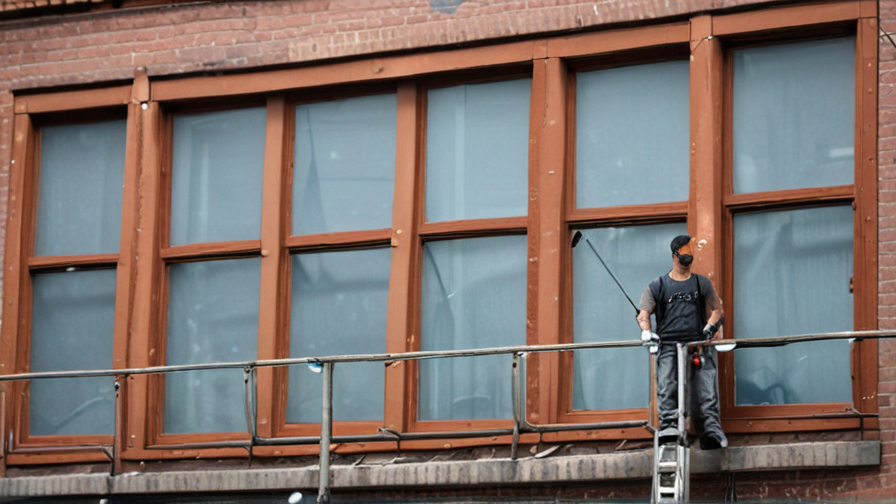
x,y
709,332
650,340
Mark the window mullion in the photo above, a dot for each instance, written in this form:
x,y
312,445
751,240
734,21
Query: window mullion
x,y
866,219
707,164
405,246
125,276
704,201
141,350
548,234
272,261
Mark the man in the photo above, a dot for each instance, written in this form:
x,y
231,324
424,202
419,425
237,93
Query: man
x,y
687,309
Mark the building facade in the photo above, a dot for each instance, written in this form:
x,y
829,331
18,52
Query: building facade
x,y
188,183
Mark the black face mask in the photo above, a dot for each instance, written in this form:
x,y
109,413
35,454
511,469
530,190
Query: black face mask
x,y
685,259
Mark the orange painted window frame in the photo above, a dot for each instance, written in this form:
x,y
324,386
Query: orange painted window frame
x,y
553,62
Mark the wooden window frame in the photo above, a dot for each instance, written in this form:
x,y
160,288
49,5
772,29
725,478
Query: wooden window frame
x,y
863,354
547,225
427,232
595,218
193,252
323,242
34,112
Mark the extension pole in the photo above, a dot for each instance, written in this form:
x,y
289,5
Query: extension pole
x,y
575,240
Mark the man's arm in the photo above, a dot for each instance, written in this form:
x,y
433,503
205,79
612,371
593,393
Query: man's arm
x,y
713,306
644,320
647,306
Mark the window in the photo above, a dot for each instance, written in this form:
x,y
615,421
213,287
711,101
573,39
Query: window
x,y
344,165
473,288
632,135
474,296
73,276
343,186
476,156
338,306
213,299
793,131
631,153
637,255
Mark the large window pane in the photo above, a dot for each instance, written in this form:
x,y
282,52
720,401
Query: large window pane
x,y
632,135
344,165
474,296
80,189
794,115
477,151
72,328
216,176
791,276
339,307
615,379
212,317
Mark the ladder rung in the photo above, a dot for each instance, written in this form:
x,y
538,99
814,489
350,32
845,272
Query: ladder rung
x,y
667,467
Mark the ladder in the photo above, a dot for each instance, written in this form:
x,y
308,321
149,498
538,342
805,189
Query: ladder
x,y
671,453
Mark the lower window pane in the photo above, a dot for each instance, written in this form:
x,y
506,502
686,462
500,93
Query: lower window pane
x,y
474,296
338,307
608,379
791,276
72,326
212,317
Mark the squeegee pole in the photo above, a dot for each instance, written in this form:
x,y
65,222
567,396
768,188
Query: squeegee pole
x,y
601,259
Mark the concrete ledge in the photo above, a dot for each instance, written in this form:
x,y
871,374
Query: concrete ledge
x,y
552,470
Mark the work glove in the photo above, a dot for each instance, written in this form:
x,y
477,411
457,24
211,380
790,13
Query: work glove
x,y
709,331
651,341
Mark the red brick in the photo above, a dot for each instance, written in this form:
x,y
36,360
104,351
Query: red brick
x,y
94,52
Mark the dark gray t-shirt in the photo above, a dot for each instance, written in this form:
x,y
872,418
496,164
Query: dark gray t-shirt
x,y
680,317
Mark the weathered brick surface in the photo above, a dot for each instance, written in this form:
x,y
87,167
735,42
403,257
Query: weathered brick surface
x,y
884,483
54,51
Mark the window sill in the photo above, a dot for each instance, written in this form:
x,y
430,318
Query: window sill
x,y
529,470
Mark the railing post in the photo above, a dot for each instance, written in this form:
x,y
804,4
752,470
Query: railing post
x,y
249,405
326,431
516,406
118,434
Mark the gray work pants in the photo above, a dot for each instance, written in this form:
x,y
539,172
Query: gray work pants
x,y
702,396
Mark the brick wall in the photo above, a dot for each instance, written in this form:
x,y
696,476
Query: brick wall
x,y
54,51
887,244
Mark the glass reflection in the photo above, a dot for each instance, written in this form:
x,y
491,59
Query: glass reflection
x,y
72,328
632,135
792,271
344,165
212,317
616,378
216,176
474,296
80,189
794,115
477,151
338,307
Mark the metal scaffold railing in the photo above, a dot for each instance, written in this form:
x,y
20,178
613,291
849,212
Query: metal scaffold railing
x,y
328,364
